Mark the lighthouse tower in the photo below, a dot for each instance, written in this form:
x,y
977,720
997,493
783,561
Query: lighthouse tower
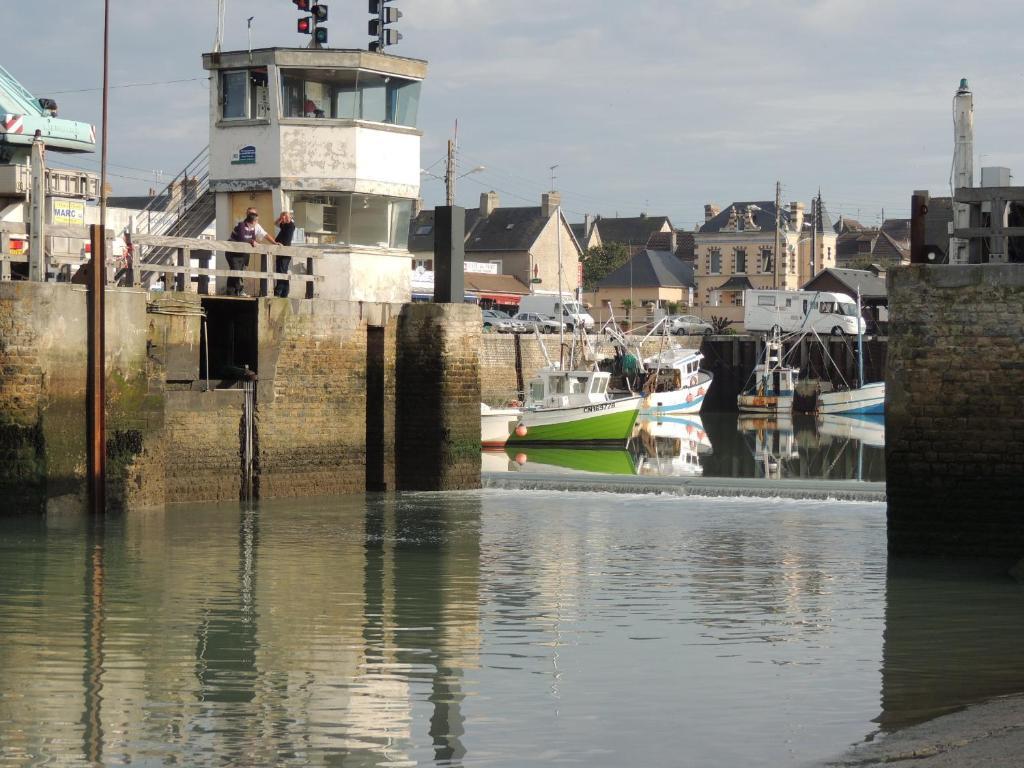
x,y
963,168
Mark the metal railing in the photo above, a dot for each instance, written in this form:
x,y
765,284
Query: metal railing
x,y
184,208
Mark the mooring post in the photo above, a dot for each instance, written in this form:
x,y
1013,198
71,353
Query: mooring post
x,y
96,421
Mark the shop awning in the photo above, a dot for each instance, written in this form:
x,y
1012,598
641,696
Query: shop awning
x,y
501,298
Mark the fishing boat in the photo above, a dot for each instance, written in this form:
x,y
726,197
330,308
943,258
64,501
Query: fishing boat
x,y
858,399
673,381
676,384
772,389
574,406
496,424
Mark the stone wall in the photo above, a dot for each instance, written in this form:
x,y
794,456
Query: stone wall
x,y
174,437
955,411
438,397
43,356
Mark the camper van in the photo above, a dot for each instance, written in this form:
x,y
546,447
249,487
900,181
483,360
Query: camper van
x,y
801,311
568,309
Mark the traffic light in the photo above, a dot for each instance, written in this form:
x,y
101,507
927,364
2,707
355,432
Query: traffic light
x,y
378,27
310,25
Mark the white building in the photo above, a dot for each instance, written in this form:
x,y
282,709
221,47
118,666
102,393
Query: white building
x,y
330,135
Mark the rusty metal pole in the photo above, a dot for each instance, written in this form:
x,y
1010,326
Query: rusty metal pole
x,y
96,417
96,421
918,211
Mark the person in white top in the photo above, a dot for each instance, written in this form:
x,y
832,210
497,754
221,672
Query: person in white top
x,y
246,231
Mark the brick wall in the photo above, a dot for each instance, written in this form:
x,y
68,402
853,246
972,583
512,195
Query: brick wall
x,y
438,397
955,411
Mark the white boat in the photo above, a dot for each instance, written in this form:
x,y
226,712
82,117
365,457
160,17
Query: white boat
x,y
867,430
856,400
865,399
676,384
772,388
496,424
574,406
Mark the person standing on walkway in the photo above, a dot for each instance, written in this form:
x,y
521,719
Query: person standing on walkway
x,y
246,231
285,233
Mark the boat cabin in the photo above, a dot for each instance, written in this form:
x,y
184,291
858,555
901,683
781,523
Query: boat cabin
x,y
559,389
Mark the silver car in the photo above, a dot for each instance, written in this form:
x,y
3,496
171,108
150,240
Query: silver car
x,y
690,325
542,323
495,320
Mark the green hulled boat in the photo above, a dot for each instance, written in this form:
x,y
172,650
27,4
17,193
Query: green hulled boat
x,y
572,407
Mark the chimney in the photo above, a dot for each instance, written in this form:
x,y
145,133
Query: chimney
x,y
549,201
710,211
488,202
796,216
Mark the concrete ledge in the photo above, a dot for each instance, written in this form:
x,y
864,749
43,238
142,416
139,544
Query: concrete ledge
x,y
839,490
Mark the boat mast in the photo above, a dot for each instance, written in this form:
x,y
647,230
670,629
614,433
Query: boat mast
x,y
860,344
561,298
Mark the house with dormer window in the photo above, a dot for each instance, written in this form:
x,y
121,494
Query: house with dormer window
x,y
734,251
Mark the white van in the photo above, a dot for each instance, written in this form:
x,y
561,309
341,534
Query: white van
x,y
800,311
570,311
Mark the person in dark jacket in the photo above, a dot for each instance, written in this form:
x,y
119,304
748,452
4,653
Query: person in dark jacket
x,y
285,233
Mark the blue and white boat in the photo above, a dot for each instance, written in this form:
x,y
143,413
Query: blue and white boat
x,y
676,384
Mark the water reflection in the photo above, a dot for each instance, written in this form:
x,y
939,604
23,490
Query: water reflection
x,y
487,628
722,445
249,637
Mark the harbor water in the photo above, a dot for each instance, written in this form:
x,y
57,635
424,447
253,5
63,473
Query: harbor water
x,y
483,629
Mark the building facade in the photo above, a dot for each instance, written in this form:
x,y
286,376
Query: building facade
x,y
735,251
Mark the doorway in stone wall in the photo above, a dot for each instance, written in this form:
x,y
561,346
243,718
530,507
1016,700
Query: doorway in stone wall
x,y
230,346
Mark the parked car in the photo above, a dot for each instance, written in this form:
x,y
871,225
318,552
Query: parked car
x,y
690,325
542,323
496,320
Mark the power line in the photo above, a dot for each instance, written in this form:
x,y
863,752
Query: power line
x,y
126,85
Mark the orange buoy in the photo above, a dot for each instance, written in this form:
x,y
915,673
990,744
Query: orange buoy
x,y
520,459
521,431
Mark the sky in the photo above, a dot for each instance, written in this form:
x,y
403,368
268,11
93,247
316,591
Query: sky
x,y
644,107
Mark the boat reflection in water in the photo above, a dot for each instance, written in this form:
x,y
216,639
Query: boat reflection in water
x,y
767,446
666,448
829,447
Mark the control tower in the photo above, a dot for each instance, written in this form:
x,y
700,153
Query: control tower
x,y
332,136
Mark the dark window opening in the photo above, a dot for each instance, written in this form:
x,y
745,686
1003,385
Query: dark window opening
x,y
230,347
375,409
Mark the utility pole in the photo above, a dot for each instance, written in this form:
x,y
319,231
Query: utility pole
x,y
778,235
449,173
816,212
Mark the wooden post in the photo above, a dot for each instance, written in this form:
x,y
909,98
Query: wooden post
x,y
266,262
184,260
203,284
96,421
918,211
310,284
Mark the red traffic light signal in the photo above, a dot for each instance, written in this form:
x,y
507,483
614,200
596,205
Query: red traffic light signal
x,y
305,26
302,5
